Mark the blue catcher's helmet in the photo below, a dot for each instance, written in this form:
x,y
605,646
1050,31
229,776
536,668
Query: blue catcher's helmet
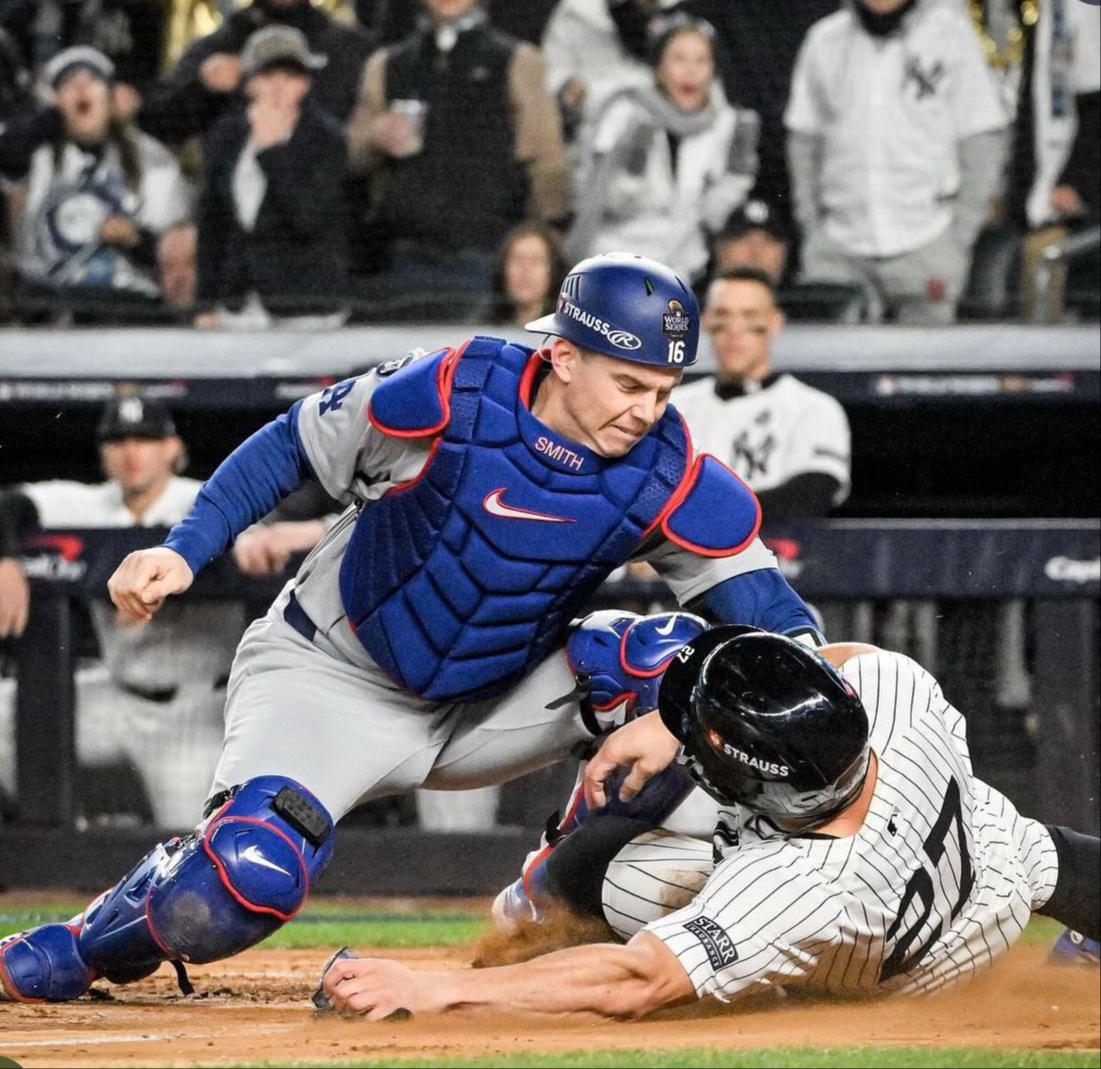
x,y
628,307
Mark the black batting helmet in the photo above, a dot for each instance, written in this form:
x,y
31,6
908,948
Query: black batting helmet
x,y
768,724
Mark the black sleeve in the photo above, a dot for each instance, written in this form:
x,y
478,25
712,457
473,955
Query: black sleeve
x,y
212,218
1083,169
145,252
632,23
22,136
306,176
804,497
18,518
180,106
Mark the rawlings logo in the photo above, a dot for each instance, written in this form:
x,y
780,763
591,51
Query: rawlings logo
x,y
621,339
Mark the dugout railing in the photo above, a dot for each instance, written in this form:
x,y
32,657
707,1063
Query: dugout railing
x,y
1005,613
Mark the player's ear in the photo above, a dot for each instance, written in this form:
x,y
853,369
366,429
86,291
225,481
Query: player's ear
x,y
564,358
180,459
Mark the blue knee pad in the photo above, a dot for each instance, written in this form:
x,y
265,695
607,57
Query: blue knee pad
x,y
244,872
218,892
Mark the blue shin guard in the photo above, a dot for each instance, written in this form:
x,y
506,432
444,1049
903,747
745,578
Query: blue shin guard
x,y
244,872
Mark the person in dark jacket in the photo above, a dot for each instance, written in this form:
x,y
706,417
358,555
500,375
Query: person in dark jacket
x,y
462,142
208,78
272,218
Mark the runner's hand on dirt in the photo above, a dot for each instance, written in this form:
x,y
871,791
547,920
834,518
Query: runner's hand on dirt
x,y
376,989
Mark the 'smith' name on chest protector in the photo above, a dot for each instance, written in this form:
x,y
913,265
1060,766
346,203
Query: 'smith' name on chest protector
x,y
458,583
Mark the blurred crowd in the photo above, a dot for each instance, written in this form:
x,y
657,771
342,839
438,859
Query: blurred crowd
x,y
305,164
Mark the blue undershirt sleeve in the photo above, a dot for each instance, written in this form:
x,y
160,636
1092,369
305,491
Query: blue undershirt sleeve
x,y
763,599
248,484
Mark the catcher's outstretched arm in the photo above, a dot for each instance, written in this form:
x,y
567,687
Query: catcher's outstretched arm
x,y
614,981
248,484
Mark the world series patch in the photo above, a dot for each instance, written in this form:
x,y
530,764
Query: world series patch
x,y
676,323
721,951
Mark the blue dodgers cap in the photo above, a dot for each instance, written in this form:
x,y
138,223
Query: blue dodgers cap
x,y
628,307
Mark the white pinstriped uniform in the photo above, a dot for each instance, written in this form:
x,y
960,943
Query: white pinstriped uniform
x,y
187,648
757,909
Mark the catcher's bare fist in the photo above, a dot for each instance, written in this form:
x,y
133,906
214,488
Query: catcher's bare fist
x,y
145,578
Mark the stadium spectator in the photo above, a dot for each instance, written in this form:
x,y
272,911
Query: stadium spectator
x,y
666,164
157,698
757,236
392,20
754,236
15,98
760,42
896,135
789,441
272,218
130,33
529,274
463,142
1055,167
587,58
208,78
95,195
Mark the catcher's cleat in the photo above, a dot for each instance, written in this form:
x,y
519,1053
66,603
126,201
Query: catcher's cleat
x,y
44,965
1073,948
512,909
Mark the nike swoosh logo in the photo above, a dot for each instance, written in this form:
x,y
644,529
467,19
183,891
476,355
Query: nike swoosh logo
x,y
496,507
253,854
668,628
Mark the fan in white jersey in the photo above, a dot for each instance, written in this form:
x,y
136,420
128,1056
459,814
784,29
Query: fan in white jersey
x,y
856,852
156,700
789,441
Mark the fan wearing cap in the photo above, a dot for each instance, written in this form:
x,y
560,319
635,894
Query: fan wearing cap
x,y
96,193
856,853
273,216
156,699
754,236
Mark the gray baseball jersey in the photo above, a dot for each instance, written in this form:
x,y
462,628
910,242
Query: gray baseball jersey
x,y
941,878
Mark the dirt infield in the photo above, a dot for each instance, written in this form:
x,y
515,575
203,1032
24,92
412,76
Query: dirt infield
x,y
252,1008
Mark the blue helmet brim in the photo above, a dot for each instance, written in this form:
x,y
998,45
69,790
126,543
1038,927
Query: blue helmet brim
x,y
543,325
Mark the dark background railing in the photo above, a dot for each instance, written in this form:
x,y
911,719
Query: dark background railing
x,y
1042,751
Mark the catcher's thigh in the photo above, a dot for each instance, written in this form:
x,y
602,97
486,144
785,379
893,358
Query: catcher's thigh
x,y
499,739
654,875
345,733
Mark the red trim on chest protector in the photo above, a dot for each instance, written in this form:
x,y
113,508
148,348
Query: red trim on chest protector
x,y
681,491
445,373
679,498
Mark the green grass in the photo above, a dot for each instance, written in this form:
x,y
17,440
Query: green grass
x,y
321,925
781,1058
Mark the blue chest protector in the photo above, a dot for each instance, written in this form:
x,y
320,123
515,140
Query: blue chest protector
x,y
460,582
